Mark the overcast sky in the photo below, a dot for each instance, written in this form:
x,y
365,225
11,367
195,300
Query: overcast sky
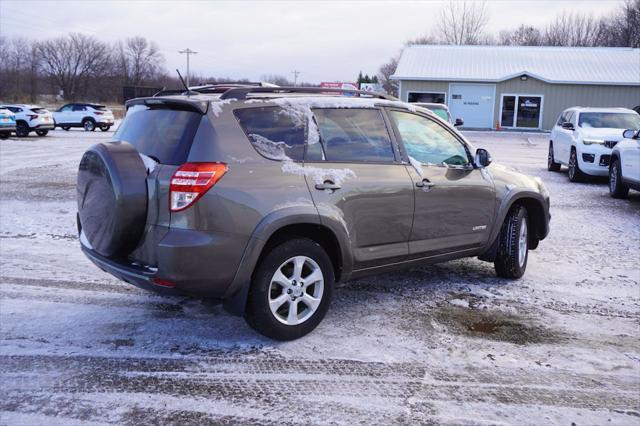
x,y
326,41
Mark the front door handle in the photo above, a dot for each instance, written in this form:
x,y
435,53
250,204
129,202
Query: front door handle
x,y
425,183
327,185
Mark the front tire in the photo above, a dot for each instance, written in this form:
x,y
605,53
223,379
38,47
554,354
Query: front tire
x,y
291,290
65,128
513,249
88,125
552,166
575,174
42,132
617,188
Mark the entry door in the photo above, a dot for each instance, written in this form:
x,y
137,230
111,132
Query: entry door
x,y
521,111
454,202
473,103
355,175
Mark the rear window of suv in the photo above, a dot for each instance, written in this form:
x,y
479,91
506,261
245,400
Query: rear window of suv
x,y
160,133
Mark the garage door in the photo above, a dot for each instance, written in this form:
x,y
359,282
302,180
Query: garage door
x,y
473,103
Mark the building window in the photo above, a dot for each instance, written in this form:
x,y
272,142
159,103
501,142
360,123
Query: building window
x,y
521,111
427,97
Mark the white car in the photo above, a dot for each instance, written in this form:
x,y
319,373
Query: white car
x,y
87,116
624,170
30,118
442,111
583,138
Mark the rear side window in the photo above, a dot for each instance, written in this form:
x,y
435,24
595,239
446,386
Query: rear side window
x,y
160,133
79,108
273,132
99,107
351,135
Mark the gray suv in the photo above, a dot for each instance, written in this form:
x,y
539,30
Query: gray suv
x,y
263,198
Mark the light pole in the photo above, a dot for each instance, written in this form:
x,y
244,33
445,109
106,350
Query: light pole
x,y
295,77
188,52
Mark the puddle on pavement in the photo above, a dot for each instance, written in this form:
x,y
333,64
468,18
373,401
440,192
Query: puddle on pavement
x,y
493,325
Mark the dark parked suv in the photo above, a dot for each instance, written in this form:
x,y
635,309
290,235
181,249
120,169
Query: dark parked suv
x,y
263,198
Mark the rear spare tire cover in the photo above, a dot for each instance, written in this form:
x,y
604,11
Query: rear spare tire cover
x,y
112,197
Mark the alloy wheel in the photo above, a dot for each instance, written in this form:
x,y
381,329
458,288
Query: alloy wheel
x,y
295,290
522,243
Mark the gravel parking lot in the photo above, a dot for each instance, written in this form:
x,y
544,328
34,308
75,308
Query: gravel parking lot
x,y
449,343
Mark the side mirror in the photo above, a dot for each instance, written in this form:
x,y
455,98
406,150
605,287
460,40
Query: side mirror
x,y
483,158
568,126
459,122
631,134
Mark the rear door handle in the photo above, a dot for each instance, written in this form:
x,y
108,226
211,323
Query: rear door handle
x,y
327,185
425,183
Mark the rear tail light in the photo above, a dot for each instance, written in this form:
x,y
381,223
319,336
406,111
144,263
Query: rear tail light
x,y
191,181
32,116
98,113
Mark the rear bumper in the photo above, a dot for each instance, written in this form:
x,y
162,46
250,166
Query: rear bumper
x,y
187,262
128,272
8,128
47,126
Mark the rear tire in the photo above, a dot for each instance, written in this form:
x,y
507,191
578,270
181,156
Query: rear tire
x,y
617,188
281,305
22,129
89,125
575,174
5,135
105,128
513,249
552,166
42,132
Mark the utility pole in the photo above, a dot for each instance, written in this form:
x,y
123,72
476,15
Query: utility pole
x,y
188,52
295,77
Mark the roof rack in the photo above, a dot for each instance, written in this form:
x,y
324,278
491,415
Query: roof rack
x,y
212,88
240,93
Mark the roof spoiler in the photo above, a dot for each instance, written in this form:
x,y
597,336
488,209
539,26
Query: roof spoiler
x,y
240,93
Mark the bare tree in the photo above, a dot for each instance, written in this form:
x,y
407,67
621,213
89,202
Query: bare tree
x,y
463,22
384,75
623,27
570,29
69,61
138,60
522,36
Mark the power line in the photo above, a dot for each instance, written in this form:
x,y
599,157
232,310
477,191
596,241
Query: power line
x,y
188,52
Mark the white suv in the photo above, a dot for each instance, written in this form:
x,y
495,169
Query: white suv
x,y
30,118
624,171
87,116
582,139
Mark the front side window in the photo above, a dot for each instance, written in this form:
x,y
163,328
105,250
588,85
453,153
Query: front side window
x,y
351,135
611,120
273,132
429,142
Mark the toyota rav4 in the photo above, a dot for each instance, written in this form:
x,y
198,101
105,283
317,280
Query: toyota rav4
x,y
264,198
